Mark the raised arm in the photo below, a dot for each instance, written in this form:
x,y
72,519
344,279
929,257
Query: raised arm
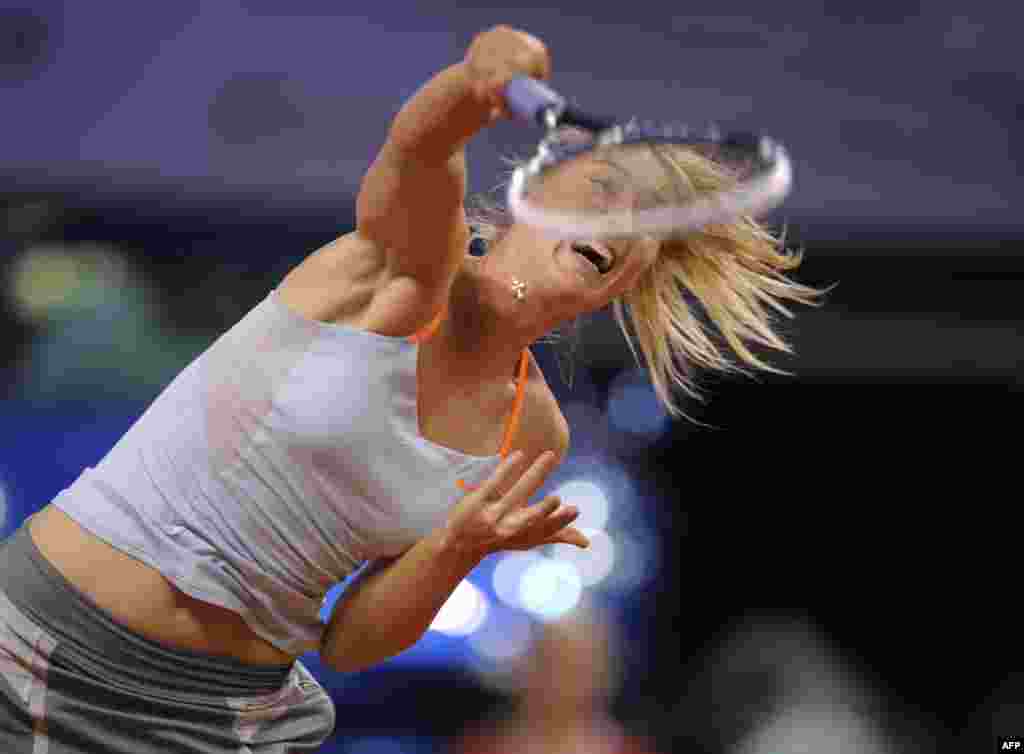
x,y
410,203
394,603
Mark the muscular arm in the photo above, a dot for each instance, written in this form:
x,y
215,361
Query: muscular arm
x,y
411,233
411,200
410,203
392,605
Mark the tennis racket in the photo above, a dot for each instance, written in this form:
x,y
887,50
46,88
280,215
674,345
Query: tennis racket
x,y
602,178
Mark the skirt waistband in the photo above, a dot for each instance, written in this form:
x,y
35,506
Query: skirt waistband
x,y
40,591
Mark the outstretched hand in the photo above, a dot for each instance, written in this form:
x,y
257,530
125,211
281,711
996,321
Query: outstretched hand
x,y
498,516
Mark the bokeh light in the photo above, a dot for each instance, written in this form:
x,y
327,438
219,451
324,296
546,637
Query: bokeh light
x,y
550,589
636,561
463,612
4,508
593,564
634,408
589,498
53,280
504,638
601,487
509,572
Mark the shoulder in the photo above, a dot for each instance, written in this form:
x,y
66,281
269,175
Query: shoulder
x,y
349,282
561,437
544,427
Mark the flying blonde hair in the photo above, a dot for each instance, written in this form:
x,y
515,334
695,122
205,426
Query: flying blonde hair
x,y
734,273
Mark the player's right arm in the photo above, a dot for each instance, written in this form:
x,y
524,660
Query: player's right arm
x,y
393,273
411,202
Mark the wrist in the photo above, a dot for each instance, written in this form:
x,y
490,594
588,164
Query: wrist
x,y
445,113
445,545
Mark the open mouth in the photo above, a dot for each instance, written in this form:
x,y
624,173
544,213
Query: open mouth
x,y
597,255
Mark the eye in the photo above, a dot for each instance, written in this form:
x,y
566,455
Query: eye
x,y
608,186
607,195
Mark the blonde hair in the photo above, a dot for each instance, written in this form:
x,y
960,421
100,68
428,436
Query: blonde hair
x,y
734,272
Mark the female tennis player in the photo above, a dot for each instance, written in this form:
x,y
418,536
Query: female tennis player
x,y
379,408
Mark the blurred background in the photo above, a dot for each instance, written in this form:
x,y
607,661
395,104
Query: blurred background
x,y
826,562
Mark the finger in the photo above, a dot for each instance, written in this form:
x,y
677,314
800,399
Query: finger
x,y
502,478
495,97
530,481
570,536
524,518
535,59
554,523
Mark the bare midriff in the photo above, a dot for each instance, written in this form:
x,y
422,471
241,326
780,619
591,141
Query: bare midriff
x,y
139,597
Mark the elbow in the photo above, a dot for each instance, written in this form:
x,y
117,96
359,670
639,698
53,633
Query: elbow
x,y
336,656
338,665
344,662
328,659
353,660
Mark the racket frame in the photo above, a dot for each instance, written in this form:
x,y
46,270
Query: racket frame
x,y
762,191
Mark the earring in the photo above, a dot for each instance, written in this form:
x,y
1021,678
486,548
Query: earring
x,y
519,288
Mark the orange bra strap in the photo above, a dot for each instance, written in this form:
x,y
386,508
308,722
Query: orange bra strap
x,y
428,331
513,420
517,405
512,424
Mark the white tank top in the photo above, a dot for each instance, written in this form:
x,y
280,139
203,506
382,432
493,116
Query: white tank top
x,y
283,457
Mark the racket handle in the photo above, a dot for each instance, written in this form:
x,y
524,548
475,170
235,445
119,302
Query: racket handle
x,y
573,116
528,99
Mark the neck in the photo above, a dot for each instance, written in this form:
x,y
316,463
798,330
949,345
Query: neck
x,y
487,327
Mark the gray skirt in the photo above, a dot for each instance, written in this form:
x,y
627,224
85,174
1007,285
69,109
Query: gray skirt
x,y
74,681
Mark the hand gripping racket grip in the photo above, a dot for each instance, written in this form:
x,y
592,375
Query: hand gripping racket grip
x,y
529,99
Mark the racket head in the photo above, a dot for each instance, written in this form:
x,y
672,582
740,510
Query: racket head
x,y
657,180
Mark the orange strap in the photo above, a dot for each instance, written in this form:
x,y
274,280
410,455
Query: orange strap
x,y
428,331
517,404
512,424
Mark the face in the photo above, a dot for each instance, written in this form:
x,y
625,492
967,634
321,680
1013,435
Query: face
x,y
583,276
